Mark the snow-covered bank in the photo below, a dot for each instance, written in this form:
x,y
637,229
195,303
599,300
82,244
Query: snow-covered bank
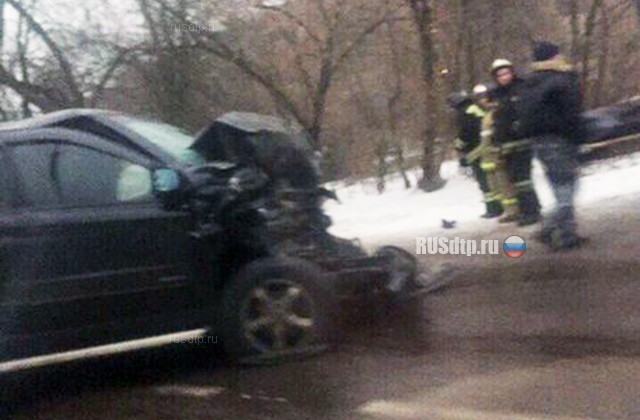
x,y
366,214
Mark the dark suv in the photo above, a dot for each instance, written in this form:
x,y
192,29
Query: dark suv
x,y
92,259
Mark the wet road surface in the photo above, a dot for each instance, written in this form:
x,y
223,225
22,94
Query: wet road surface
x,y
546,336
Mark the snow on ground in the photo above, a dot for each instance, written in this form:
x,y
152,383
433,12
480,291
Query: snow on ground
x,y
365,214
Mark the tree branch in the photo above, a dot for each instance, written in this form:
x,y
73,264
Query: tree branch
x,y
98,91
44,98
236,58
362,37
297,21
219,49
65,66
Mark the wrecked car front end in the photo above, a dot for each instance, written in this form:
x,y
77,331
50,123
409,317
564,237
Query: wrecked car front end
x,y
293,223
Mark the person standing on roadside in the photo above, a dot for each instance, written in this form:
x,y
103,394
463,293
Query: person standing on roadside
x,y
469,116
492,164
516,153
549,115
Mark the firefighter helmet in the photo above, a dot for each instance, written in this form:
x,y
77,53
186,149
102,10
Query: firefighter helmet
x,y
500,63
480,89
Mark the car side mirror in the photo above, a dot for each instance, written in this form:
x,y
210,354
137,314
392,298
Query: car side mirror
x,y
166,181
168,187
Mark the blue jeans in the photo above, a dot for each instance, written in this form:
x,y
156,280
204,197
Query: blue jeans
x,y
560,159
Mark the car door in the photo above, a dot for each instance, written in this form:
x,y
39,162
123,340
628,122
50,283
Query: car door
x,y
7,235
97,260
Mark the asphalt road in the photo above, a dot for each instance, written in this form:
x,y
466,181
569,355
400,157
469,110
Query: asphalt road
x,y
546,336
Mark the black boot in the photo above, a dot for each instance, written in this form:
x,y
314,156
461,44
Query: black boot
x,y
561,233
529,207
561,240
494,209
529,219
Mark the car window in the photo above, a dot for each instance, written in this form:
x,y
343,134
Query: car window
x,y
89,177
66,175
134,183
34,168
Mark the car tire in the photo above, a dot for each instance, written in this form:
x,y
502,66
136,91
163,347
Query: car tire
x,y
276,309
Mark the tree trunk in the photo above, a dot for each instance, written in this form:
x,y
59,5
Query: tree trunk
x,y
22,39
458,73
2,4
590,25
320,98
497,29
471,45
392,108
603,60
575,30
423,19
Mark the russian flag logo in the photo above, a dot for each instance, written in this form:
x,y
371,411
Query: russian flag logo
x,y
514,246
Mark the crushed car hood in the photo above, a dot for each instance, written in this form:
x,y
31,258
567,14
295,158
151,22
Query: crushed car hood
x,y
269,142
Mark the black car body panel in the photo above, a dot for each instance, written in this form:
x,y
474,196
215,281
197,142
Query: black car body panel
x,y
609,122
89,256
71,265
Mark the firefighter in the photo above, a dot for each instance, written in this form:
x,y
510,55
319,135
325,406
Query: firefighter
x,y
469,123
492,163
549,114
517,154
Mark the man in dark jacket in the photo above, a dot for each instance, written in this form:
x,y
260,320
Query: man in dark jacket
x,y
469,117
549,114
517,154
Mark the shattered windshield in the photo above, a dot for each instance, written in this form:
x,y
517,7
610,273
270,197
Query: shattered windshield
x,y
174,140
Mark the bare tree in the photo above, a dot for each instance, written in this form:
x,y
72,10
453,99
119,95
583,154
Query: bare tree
x,y
393,107
603,58
423,18
45,97
22,45
2,8
590,26
575,29
57,89
330,51
636,3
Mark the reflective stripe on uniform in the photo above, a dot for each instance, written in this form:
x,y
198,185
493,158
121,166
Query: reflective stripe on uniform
x,y
488,166
509,201
524,185
459,144
476,111
492,196
514,146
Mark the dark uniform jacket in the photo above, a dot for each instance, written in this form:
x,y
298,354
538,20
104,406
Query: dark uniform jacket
x,y
469,126
505,116
550,102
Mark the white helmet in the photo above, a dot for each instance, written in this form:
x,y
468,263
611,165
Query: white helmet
x,y
480,89
500,63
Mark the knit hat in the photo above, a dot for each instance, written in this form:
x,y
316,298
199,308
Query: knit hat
x,y
545,50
